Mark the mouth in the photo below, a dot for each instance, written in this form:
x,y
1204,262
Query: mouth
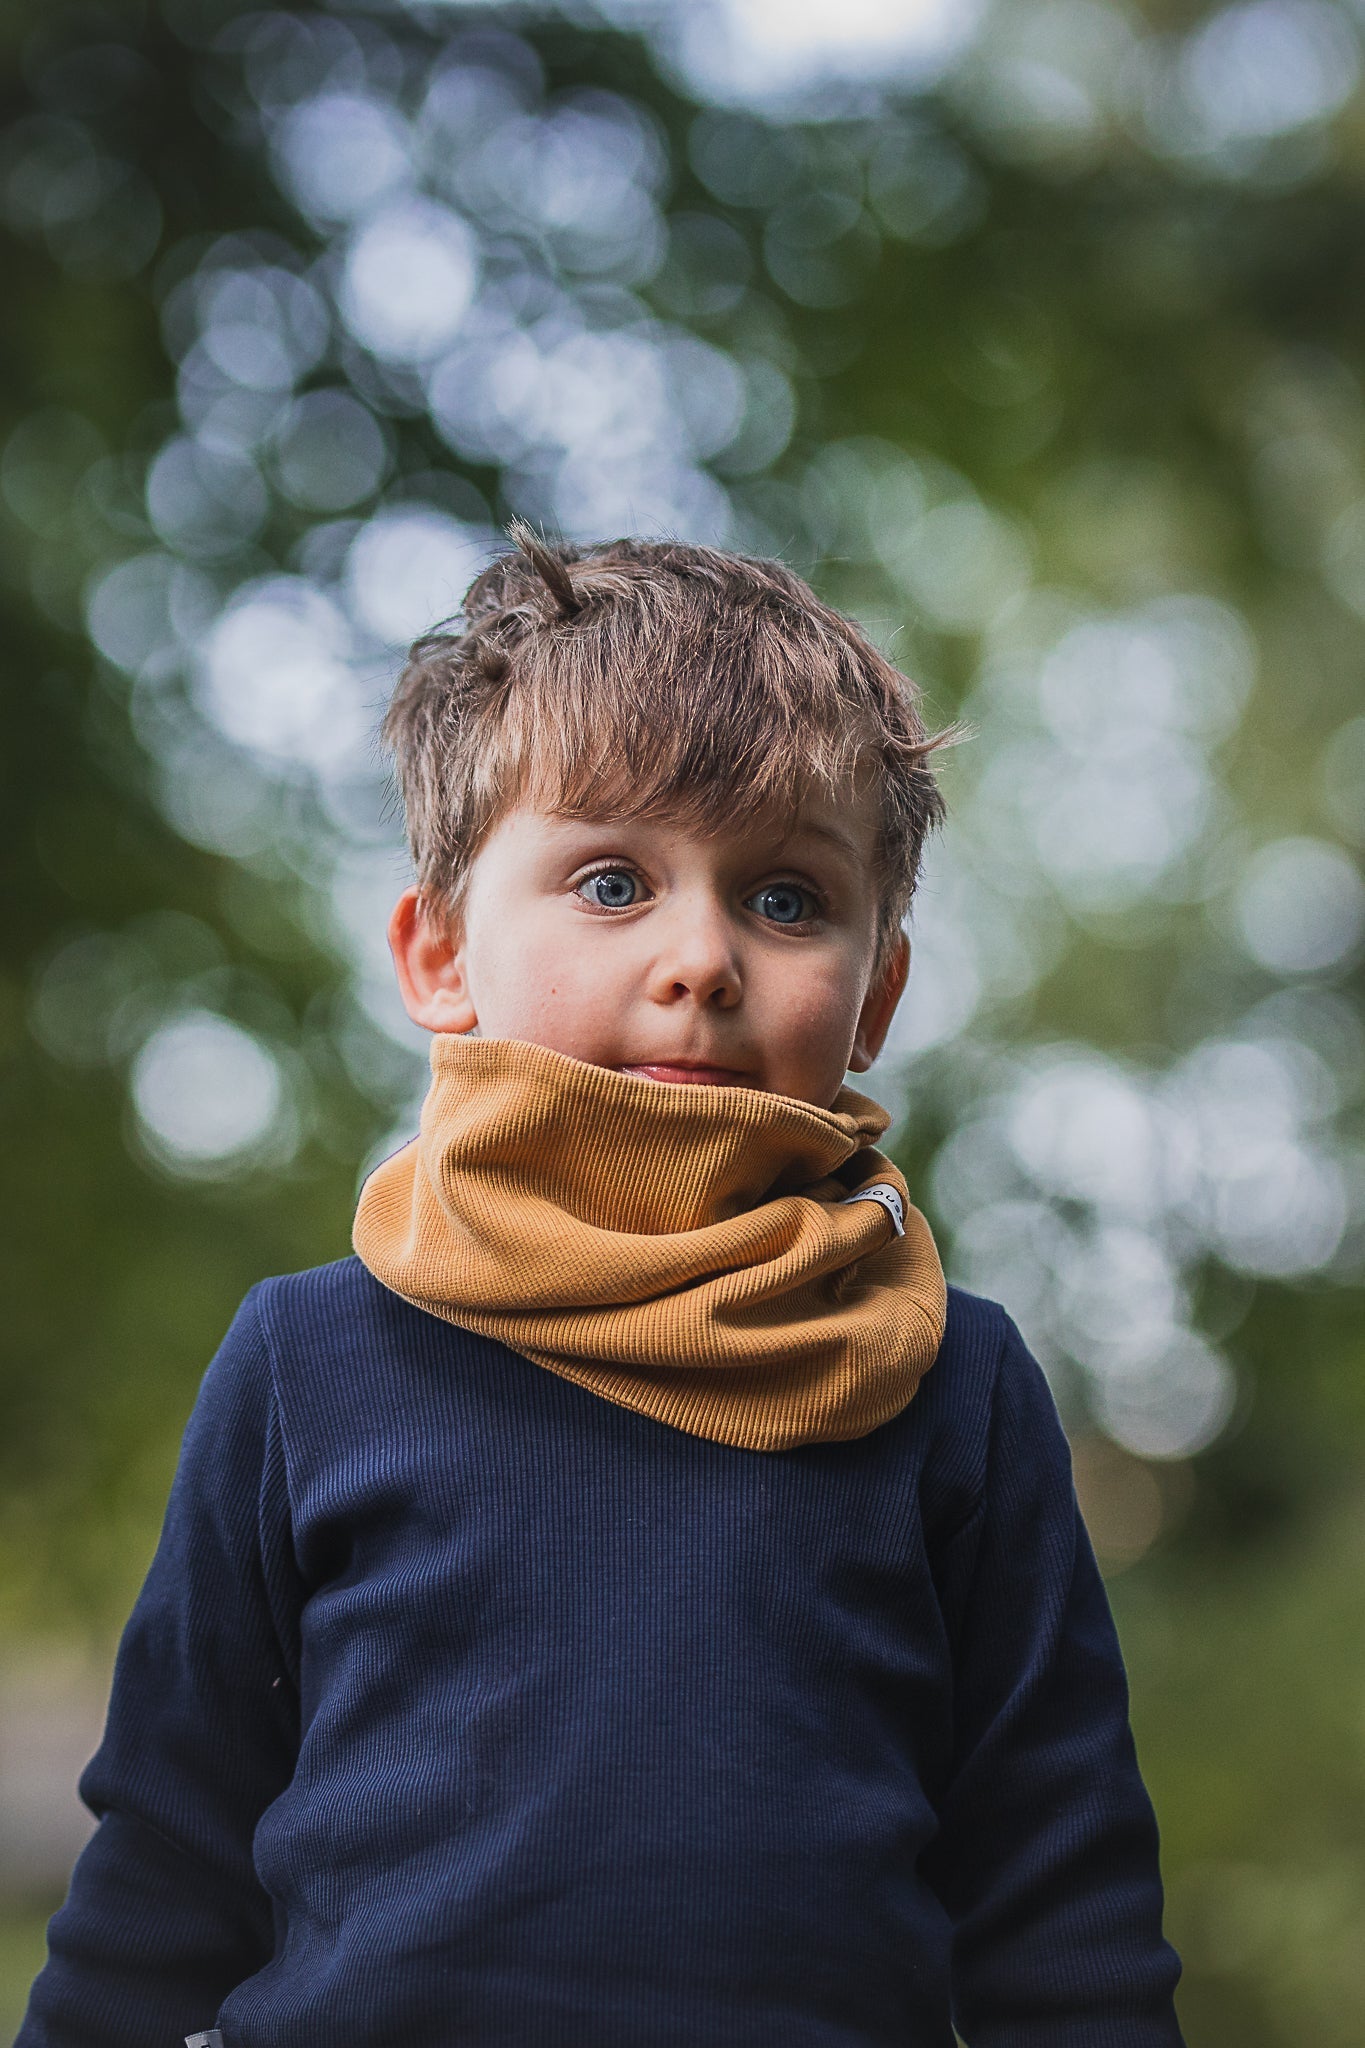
x,y
693,1072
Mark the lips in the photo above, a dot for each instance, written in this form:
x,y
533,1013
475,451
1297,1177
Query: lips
x,y
684,1072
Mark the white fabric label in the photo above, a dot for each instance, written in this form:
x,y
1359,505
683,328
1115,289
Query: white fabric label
x,y
887,1197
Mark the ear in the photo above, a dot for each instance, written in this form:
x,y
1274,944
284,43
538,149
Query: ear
x,y
429,959
879,1007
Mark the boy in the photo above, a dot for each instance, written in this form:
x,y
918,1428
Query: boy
x,y
631,1604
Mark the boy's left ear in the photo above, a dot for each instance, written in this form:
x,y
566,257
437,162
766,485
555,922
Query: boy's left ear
x,y
879,1007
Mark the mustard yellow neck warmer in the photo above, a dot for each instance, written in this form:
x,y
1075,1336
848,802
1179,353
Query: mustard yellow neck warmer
x,y
712,1257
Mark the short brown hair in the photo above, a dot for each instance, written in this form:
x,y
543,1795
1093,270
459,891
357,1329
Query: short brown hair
x,y
651,679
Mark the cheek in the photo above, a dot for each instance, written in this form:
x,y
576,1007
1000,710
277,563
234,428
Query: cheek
x,y
528,980
820,1002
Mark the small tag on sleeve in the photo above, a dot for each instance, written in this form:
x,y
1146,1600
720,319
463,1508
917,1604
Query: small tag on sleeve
x,y
213,2039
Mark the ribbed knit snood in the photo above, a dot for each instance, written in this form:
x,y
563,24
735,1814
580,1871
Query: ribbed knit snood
x,y
739,1264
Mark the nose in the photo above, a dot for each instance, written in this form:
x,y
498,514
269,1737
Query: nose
x,y
696,956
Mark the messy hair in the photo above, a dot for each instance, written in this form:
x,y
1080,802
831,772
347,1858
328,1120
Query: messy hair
x,y
649,679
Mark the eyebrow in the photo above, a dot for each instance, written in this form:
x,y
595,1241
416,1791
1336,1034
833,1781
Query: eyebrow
x,y
805,828
832,833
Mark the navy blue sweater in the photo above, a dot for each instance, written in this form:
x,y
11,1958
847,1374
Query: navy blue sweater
x,y
461,1706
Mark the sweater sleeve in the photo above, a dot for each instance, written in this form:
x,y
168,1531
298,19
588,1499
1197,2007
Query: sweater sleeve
x,y
1046,1860
165,1913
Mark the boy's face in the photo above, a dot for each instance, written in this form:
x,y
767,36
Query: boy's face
x,y
740,959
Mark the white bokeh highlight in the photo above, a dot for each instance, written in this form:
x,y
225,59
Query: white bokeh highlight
x,y
1300,906
276,676
205,1092
407,570
409,280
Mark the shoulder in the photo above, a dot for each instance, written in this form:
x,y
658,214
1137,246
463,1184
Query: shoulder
x,y
337,1304
338,1349
319,1297
960,1384
335,1319
982,1356
974,1332
984,1388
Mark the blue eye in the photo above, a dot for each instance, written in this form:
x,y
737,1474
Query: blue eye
x,y
612,888
782,903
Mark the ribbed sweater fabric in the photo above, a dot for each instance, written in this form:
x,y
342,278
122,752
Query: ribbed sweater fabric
x,y
462,1706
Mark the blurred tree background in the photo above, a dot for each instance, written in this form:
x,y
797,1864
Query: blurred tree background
x,y
1034,331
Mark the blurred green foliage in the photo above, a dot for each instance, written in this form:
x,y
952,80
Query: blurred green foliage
x,y
1101,362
